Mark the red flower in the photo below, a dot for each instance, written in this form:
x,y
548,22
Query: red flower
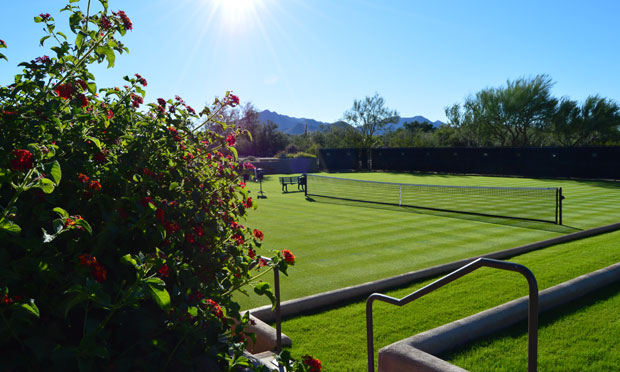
x,y
159,214
262,262
148,172
191,110
136,100
141,80
231,140
164,270
288,256
83,100
45,16
161,101
65,91
314,364
99,273
23,160
86,259
248,203
94,185
258,234
215,308
9,300
105,23
100,157
170,227
190,238
238,238
198,230
2,43
109,114
233,100
251,253
69,222
96,269
83,178
126,21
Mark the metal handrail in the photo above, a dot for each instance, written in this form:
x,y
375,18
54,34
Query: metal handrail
x,y
276,285
481,262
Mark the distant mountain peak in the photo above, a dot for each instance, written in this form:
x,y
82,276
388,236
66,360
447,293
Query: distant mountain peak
x,y
293,125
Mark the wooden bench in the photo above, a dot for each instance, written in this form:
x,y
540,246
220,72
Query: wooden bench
x,y
300,181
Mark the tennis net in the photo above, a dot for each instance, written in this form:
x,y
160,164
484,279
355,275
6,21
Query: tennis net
x,y
529,203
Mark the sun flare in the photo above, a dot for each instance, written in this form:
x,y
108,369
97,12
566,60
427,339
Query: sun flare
x,y
236,12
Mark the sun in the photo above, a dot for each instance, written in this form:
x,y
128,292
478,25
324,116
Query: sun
x,y
235,13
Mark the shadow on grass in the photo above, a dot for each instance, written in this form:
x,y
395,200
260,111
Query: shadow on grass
x,y
506,221
545,319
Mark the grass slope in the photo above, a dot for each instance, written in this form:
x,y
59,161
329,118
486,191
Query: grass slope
x,y
338,336
339,244
581,337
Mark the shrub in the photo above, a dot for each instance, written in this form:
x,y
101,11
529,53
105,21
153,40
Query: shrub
x,y
121,240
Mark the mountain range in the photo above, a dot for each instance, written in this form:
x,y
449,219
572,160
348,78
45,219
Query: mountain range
x,y
292,125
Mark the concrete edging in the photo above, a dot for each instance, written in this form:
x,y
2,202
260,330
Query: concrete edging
x,y
417,353
313,302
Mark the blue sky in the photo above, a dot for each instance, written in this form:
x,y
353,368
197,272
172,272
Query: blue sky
x,y
312,58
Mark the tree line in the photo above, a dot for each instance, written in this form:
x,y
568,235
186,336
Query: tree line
x,y
522,113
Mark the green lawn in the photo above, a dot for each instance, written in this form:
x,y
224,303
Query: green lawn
x,y
582,336
338,244
337,336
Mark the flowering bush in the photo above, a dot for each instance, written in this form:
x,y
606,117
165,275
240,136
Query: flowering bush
x,y
121,240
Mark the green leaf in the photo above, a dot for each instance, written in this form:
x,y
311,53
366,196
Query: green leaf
x,y
38,19
92,88
10,227
56,173
79,39
173,185
109,55
157,289
46,185
42,41
63,213
30,308
127,259
263,289
85,225
80,297
234,151
95,141
104,3
192,310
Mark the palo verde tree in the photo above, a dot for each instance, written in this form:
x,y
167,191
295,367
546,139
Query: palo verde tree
x,y
517,114
370,116
595,122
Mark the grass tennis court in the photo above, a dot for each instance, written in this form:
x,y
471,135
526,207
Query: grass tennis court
x,y
339,244
337,336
